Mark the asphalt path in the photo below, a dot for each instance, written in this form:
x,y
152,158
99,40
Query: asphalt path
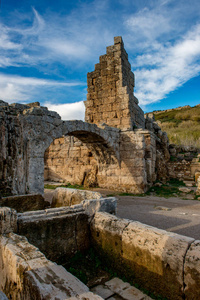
x,y
172,214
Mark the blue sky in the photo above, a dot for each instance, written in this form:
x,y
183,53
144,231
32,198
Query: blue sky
x,y
47,47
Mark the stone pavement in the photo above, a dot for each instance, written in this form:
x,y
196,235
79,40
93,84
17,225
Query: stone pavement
x,y
116,289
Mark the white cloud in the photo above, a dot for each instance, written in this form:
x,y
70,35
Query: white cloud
x,y
166,56
5,42
148,24
24,88
173,66
69,111
69,49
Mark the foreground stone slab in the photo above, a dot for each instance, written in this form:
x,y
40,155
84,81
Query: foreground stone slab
x,y
57,232
106,233
125,290
25,273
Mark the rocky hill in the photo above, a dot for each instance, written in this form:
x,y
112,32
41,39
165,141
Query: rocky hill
x,y
182,124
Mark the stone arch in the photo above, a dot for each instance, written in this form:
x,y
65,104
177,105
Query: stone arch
x,y
102,141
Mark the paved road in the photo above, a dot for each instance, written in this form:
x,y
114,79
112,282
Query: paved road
x,y
183,216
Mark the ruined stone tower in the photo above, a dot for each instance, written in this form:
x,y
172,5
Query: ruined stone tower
x,y
110,98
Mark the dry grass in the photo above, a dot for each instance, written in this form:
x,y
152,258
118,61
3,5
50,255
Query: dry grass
x,y
182,126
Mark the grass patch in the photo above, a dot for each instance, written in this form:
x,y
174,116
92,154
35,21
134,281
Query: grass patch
x,y
176,182
131,194
68,185
182,125
167,190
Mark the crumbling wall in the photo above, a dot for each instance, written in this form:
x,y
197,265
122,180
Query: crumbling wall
x,y
110,98
13,154
22,131
38,127
184,162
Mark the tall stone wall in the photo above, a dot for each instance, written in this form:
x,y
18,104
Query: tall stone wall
x,y
23,136
13,153
68,159
110,96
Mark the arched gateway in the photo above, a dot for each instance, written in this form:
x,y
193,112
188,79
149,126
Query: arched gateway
x,y
41,127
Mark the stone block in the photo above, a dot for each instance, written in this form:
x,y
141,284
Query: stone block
x,y
68,197
50,231
8,220
22,203
117,285
197,175
108,205
106,233
86,296
102,291
185,190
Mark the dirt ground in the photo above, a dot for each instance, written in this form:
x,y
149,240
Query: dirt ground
x,y
171,214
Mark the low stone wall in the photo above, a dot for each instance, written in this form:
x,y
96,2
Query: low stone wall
x,y
68,197
25,273
22,203
184,162
162,262
59,234
50,229
179,169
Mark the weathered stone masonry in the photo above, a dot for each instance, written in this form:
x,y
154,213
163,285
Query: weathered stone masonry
x,y
111,101
126,154
164,263
110,96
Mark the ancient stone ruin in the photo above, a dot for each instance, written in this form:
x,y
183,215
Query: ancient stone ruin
x,y
117,148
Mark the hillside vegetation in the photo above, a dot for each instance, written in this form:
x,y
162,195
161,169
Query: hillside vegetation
x,y
182,125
